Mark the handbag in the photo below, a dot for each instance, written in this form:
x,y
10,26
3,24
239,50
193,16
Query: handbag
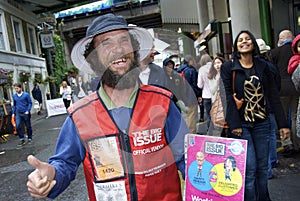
x,y
238,102
217,113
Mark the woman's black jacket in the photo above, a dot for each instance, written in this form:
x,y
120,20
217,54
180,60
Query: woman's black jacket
x,y
234,117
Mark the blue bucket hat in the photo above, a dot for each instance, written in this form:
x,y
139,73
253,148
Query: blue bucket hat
x,y
103,24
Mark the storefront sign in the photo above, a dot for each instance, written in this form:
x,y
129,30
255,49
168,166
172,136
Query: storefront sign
x,y
47,39
215,168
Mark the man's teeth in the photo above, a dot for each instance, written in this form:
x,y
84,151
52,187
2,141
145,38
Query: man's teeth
x,y
119,61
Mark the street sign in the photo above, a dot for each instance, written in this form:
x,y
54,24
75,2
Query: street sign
x,y
47,39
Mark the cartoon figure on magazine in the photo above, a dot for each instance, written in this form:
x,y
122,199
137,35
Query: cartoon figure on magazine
x,y
198,172
229,165
200,158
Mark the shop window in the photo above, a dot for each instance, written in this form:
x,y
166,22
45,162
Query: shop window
x,y
2,41
18,34
32,39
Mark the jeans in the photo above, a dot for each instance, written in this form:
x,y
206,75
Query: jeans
x,y
256,179
21,117
272,145
207,106
67,103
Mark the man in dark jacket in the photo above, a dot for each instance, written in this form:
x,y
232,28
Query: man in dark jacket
x,y
175,83
150,72
280,57
37,95
193,92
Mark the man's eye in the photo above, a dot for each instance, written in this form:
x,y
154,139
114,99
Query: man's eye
x,y
125,40
105,43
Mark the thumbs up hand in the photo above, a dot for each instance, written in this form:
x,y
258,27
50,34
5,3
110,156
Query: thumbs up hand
x,y
40,181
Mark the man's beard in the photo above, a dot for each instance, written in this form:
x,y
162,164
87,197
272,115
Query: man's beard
x,y
126,81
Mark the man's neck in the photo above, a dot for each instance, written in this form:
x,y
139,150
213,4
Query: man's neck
x,y
118,97
143,66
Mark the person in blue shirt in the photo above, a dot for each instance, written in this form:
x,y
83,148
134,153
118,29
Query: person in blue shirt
x,y
109,129
21,111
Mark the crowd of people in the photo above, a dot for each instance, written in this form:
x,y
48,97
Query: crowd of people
x,y
136,100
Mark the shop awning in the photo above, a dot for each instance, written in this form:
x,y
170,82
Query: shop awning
x,y
206,35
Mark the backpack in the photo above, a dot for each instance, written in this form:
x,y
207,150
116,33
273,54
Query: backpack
x,y
33,92
181,73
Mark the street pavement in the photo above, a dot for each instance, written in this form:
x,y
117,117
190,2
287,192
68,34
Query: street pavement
x,y
14,168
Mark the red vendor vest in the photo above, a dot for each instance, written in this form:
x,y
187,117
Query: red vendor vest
x,y
128,165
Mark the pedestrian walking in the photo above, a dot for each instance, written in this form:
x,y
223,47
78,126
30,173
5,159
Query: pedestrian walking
x,y
65,91
203,84
127,135
21,111
273,160
37,95
80,90
289,96
192,92
250,89
293,65
175,83
218,126
150,72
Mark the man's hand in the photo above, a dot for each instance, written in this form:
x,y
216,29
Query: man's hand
x,y
40,181
284,133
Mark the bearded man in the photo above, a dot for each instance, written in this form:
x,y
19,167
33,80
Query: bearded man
x,y
127,135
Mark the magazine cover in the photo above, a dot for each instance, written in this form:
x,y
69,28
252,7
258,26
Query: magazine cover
x,y
215,168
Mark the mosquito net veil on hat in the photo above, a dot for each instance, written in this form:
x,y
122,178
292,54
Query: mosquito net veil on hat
x,y
103,24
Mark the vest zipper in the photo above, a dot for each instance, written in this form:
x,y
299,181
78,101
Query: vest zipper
x,y
130,166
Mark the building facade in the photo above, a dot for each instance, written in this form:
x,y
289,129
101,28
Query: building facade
x,y
20,53
212,24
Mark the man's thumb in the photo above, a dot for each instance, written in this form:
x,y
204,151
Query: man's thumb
x,y
34,162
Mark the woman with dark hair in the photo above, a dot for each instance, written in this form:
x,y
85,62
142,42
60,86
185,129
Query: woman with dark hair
x,y
249,91
216,128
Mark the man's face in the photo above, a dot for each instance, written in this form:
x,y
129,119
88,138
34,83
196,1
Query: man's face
x,y
115,51
200,158
117,62
169,67
192,62
149,58
18,89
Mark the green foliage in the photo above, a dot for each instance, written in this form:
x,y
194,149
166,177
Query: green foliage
x,y
24,77
73,71
50,79
60,69
59,64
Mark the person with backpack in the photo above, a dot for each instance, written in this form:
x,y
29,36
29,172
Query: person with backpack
x,y
193,92
37,95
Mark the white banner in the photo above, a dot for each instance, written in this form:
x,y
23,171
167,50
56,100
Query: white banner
x,y
55,107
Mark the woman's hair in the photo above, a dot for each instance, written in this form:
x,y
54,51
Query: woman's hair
x,y
233,161
205,59
255,51
64,82
212,71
